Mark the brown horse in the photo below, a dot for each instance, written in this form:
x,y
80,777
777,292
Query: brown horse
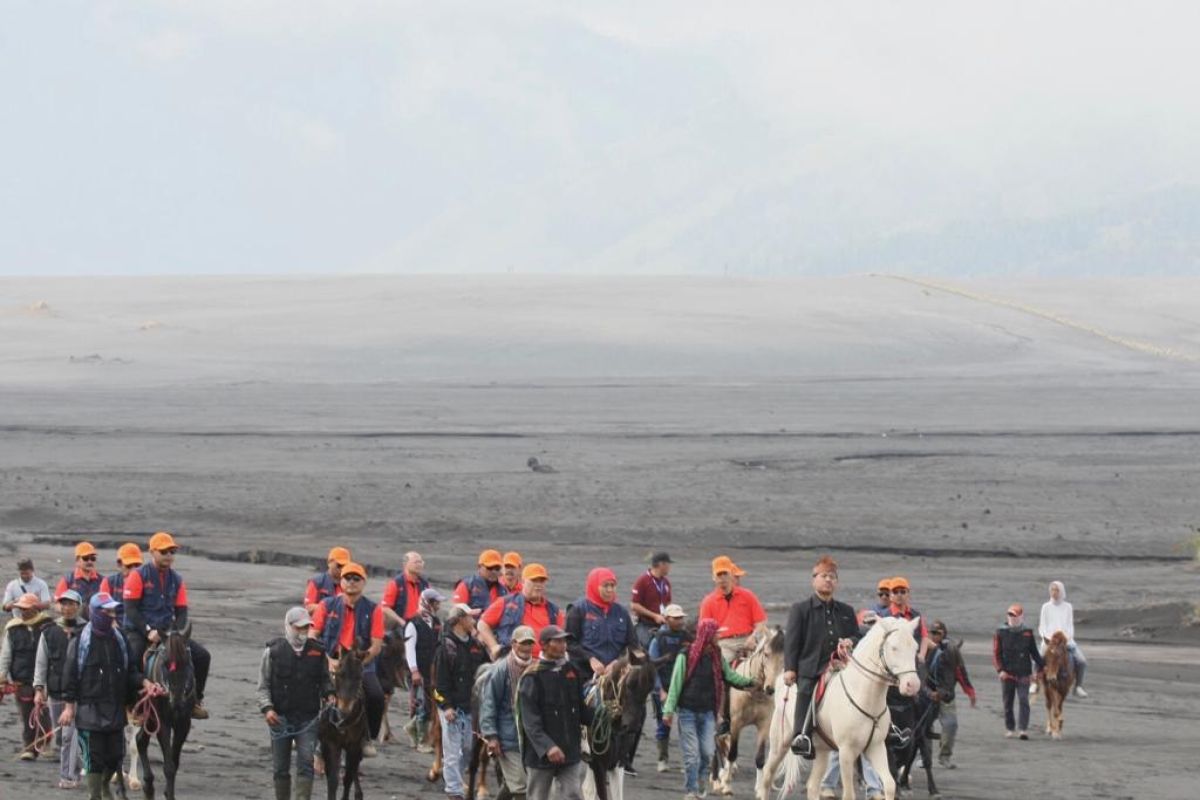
x,y
343,725
753,708
1056,679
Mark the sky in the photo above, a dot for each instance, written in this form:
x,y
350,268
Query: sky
x,y
956,138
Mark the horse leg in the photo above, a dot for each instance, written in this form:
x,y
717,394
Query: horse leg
x,y
816,773
877,755
927,756
132,781
143,755
435,739
332,756
353,759
166,745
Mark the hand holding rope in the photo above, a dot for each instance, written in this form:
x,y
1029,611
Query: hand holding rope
x,y
145,711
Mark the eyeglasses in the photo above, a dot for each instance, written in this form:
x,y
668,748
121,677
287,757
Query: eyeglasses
x,y
352,578
492,569
899,591
170,551
884,592
88,558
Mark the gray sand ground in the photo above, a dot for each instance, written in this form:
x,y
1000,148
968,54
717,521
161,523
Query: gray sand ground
x,y
981,449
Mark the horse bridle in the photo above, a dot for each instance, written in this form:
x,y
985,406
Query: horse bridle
x,y
888,676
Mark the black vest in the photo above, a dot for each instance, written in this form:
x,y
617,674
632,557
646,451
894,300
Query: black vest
x,y
57,638
296,679
24,641
427,640
699,693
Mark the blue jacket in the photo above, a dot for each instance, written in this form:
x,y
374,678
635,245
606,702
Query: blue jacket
x,y
335,609
157,606
479,591
604,635
496,717
514,616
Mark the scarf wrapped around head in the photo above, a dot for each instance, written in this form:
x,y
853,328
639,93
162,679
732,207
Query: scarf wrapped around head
x,y
706,641
596,577
426,602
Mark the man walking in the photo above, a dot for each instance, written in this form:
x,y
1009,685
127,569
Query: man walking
x,y
816,629
421,636
293,679
156,602
1014,654
497,714
946,695
84,579
552,713
458,657
666,643
650,596
18,658
49,681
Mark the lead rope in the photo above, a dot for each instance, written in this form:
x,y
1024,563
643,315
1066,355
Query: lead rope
x,y
145,712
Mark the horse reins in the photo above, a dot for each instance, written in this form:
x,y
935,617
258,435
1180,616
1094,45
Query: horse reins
x,y
888,677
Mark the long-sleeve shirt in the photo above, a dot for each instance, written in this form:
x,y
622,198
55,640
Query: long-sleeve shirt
x,y
679,677
1056,617
1014,652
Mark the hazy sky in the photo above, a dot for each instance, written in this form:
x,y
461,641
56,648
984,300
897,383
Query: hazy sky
x,y
242,136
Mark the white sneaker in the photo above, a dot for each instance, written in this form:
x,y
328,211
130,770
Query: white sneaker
x,y
1033,688
1009,734
663,766
1079,692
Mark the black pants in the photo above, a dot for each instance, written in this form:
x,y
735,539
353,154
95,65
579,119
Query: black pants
x,y
102,750
201,659
804,692
375,702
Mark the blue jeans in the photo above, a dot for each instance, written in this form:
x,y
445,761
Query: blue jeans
x,y
697,737
833,775
662,731
303,733
456,749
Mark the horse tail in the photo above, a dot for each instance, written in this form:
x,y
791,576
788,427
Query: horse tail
x,y
784,782
791,775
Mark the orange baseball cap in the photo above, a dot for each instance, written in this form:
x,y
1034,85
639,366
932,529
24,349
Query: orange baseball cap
x,y
129,554
1016,610
899,583
885,583
162,541
340,555
491,558
534,572
27,600
85,549
513,559
350,568
725,564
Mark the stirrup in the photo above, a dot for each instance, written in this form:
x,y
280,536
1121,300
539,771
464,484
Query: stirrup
x,y
802,746
901,736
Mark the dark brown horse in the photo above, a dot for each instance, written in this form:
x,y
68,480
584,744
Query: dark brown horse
x,y
938,688
1056,679
343,725
170,666
620,702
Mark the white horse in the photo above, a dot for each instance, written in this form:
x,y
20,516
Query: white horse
x,y
853,715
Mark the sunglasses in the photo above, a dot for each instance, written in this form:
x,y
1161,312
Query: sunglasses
x,y
899,591
87,558
884,592
170,551
936,632
352,578
493,569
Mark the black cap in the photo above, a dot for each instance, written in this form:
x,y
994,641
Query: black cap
x,y
552,632
660,557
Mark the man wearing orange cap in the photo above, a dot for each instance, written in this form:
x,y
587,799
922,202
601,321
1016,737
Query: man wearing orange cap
x,y
351,620
528,607
129,555
735,608
484,587
403,592
816,628
18,660
510,575
327,583
883,590
901,606
84,578
156,602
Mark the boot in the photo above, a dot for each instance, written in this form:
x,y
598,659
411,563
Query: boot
x,y
802,744
117,781
663,753
304,787
93,781
283,788
106,786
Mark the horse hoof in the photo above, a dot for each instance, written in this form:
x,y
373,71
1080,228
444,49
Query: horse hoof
x,y
433,776
134,784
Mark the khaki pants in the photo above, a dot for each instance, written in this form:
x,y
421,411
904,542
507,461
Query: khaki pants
x,y
567,780
731,645
513,769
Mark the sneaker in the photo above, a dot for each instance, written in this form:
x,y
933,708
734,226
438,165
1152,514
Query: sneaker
x,y
630,772
802,746
662,766
199,712
828,794
1033,688
28,755
369,750
945,763
63,783
1079,692
1023,736
691,796
424,749
1009,734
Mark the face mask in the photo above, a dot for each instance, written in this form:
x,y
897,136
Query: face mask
x,y
294,637
102,624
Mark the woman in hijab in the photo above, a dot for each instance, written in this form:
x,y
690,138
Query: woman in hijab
x,y
1058,615
697,692
602,627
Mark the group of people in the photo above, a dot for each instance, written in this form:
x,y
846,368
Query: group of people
x,y
83,666
76,672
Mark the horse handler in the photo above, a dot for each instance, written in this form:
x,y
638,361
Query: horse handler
x,y
293,679
101,680
1014,652
552,711
497,716
48,675
697,692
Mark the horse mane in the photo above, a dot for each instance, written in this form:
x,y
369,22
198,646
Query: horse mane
x,y
347,682
775,640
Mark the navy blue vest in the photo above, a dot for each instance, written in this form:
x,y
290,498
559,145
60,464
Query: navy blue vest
x,y
158,600
479,592
514,616
335,610
402,593
604,635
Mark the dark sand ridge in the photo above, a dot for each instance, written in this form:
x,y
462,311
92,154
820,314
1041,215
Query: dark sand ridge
x,y
978,449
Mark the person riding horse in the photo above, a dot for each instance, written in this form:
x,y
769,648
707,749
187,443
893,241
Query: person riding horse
x,y
816,629
1058,615
156,602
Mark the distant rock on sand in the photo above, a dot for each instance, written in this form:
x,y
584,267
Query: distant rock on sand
x,y
537,466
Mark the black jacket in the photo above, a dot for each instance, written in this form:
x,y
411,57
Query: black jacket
x,y
106,684
454,666
55,639
23,642
812,633
552,710
1014,650
296,681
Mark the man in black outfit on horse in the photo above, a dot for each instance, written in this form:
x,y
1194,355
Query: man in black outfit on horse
x,y
816,628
